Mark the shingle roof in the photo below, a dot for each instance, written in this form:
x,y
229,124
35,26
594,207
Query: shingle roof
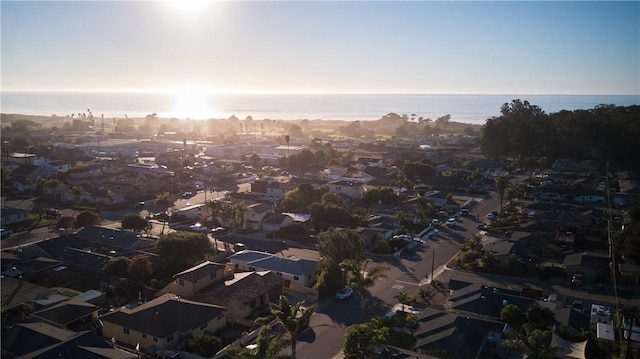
x,y
38,335
201,270
295,266
164,315
66,312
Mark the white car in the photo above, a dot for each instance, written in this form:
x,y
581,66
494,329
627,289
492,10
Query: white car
x,y
492,215
451,222
198,228
344,293
435,222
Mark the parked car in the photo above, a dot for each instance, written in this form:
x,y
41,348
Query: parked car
x,y
464,211
451,222
198,227
5,233
219,231
577,279
344,293
492,215
239,247
435,222
481,226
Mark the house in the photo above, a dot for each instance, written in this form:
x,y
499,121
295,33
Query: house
x,y
461,337
38,269
593,265
350,189
191,281
72,314
47,341
481,300
162,322
244,293
25,177
572,319
297,271
114,238
13,215
276,221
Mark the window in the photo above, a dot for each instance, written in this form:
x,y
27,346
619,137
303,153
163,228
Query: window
x,y
339,189
125,330
295,277
279,274
181,282
252,269
170,338
204,326
144,335
155,339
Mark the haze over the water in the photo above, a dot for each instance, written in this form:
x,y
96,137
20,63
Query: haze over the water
x,y
193,48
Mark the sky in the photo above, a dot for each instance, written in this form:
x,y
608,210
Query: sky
x,y
524,47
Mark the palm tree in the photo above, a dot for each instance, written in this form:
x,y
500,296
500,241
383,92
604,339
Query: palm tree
x,y
362,278
402,297
293,318
240,209
501,185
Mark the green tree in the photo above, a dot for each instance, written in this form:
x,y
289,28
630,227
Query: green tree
x,y
134,222
361,277
240,209
501,185
336,246
402,297
293,317
512,315
117,266
78,191
205,344
164,198
361,338
538,316
178,251
88,218
266,347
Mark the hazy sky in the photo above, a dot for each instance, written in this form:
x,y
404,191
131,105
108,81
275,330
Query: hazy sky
x,y
526,47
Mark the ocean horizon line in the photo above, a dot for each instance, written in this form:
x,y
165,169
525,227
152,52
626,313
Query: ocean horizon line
x,y
275,93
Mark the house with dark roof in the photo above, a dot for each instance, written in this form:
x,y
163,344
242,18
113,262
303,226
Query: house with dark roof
x,y
594,266
244,293
72,314
114,238
44,341
191,281
296,271
162,322
483,301
38,269
461,337
26,176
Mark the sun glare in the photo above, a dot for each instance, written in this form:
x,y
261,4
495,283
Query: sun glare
x,y
188,7
192,102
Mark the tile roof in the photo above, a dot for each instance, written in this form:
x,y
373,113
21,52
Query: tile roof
x,y
243,288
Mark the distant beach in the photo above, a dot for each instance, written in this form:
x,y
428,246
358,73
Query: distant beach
x,y
474,109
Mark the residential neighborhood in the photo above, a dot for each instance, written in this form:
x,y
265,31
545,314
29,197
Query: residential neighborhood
x,y
338,247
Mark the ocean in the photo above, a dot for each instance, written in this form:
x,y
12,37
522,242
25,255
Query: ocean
x,y
473,109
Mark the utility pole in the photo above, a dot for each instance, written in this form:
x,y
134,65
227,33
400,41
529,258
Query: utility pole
x,y
433,263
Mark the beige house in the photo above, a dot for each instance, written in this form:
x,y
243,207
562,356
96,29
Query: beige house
x,y
351,189
162,322
193,280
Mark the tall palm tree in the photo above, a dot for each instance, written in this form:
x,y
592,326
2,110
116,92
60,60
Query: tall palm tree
x,y
292,317
361,278
501,185
240,210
